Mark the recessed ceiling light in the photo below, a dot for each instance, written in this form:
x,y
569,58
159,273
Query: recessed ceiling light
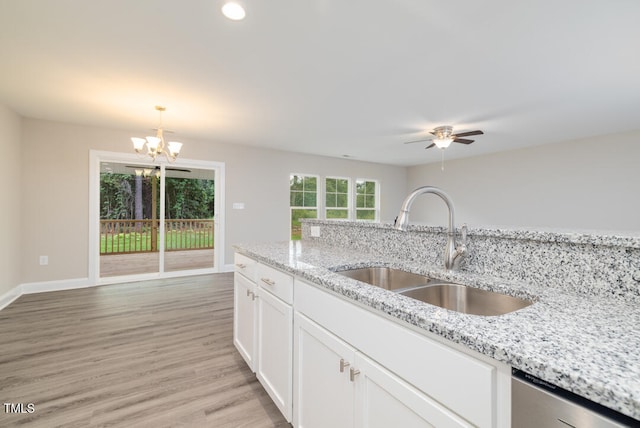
x,y
233,11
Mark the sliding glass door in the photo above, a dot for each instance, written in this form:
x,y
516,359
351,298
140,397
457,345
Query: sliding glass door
x,y
189,212
154,220
129,224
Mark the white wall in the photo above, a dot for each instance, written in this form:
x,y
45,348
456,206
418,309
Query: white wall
x,y
56,188
10,195
584,185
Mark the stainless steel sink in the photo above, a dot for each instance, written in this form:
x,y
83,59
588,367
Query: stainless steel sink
x,y
468,300
456,297
385,277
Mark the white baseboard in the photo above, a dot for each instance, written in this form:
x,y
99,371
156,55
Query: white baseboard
x,y
70,284
7,298
64,284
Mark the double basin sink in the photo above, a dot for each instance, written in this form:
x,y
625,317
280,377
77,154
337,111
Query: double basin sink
x,y
448,295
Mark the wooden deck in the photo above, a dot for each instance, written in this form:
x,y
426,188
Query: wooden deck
x,y
137,263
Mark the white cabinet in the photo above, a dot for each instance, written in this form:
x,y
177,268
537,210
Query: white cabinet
x,y
275,349
327,362
337,386
400,373
263,327
244,318
385,400
322,389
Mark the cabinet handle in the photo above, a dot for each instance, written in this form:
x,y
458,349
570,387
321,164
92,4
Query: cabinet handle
x,y
353,373
241,265
251,294
343,364
267,281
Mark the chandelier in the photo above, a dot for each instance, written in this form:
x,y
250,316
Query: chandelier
x,y
156,145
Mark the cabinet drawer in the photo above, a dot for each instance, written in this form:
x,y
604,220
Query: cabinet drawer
x,y
245,266
278,283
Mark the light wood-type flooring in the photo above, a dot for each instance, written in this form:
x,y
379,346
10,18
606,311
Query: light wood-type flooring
x,y
148,354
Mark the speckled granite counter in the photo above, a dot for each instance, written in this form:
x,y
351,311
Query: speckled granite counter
x,y
587,344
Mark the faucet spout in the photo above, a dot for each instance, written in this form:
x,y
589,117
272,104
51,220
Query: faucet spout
x,y
453,253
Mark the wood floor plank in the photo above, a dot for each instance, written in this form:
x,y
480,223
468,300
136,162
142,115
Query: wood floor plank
x,y
155,353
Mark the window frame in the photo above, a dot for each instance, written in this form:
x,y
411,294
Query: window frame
x,y
375,209
349,196
318,207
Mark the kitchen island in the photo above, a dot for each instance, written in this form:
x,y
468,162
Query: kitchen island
x,y
585,344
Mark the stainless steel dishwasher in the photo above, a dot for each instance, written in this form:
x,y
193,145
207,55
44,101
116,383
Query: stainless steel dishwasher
x,y
539,404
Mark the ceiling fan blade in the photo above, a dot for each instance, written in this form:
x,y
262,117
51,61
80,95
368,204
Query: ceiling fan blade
x,y
463,141
430,145
468,134
418,141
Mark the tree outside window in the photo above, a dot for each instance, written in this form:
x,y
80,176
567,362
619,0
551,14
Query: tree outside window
x,y
337,198
303,197
366,200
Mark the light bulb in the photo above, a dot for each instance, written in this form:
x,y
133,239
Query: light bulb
x,y
443,143
233,11
138,143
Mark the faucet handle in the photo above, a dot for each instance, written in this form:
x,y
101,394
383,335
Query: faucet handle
x,y
463,234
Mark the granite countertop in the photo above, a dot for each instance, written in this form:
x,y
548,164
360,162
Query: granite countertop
x,y
588,345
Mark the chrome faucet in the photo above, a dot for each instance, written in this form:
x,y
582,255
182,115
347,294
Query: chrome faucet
x,y
453,253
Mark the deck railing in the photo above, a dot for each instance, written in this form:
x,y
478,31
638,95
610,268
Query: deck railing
x,y
138,236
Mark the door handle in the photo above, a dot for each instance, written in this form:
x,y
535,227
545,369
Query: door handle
x,y
353,373
343,364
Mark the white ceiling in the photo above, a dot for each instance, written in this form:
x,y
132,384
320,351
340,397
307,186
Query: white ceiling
x,y
329,77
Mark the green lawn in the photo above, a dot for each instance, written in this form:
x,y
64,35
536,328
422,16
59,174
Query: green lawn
x,y
140,242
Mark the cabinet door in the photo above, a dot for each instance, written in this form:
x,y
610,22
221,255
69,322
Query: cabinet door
x,y
275,350
324,395
244,303
384,400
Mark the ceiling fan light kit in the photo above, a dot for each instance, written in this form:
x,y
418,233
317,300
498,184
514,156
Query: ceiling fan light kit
x,y
156,145
444,136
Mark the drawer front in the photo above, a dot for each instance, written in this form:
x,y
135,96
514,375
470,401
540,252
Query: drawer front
x,y
246,266
278,283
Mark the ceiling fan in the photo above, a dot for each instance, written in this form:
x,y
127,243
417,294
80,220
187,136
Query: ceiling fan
x,y
444,136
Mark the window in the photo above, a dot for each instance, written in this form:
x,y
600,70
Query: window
x,y
366,200
337,198
303,197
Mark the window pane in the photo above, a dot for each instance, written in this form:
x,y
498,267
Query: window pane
x,y
331,185
359,201
309,199
343,186
342,200
330,200
295,182
370,201
340,214
370,187
310,184
365,215
296,199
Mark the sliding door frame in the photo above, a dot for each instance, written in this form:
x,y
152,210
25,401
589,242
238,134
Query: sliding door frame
x,y
96,157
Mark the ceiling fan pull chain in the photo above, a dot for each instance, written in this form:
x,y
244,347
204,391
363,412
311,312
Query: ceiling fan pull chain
x,y
442,165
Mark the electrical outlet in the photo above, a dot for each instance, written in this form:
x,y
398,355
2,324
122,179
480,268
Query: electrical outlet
x,y
44,260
